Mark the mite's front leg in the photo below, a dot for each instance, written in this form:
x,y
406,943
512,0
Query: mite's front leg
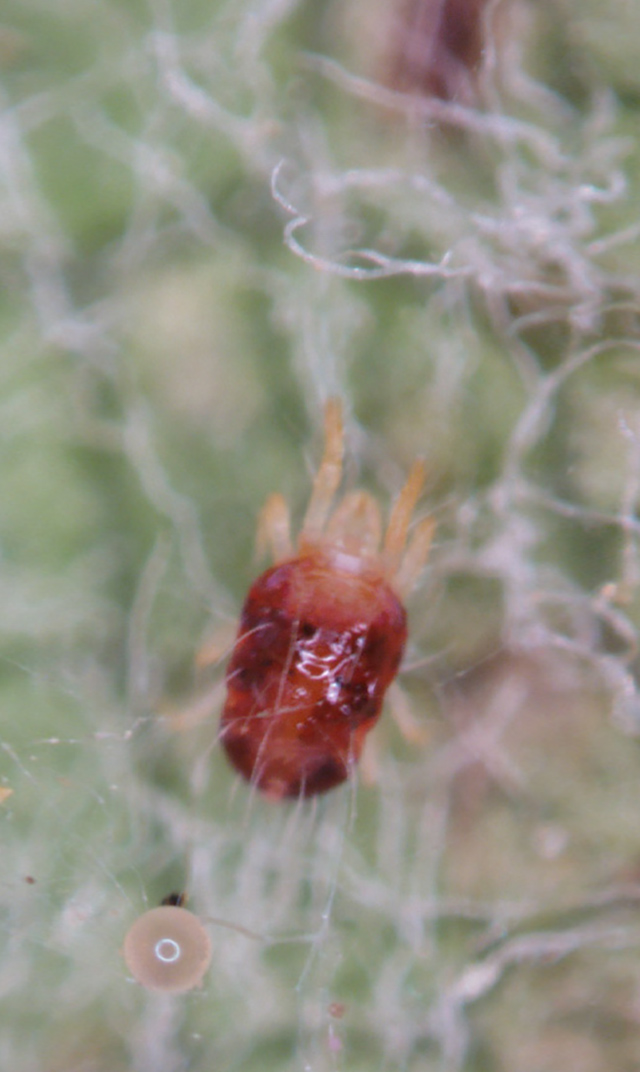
x,y
273,534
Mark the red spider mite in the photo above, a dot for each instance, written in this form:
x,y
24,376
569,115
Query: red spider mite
x,y
322,632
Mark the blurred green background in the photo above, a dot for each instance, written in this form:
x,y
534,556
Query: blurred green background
x,y
213,217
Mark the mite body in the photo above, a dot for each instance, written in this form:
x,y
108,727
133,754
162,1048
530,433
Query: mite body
x,y
321,633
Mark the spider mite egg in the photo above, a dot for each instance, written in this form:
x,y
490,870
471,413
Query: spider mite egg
x,y
168,949
322,632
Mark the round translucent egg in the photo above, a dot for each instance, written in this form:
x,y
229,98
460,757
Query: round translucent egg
x,y
167,949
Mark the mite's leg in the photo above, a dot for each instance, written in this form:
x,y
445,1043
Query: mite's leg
x,y
355,525
328,476
369,765
396,536
415,557
200,709
218,645
274,530
412,728
203,706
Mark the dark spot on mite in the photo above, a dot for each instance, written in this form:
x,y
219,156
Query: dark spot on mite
x,y
359,705
239,750
375,647
177,900
265,663
327,774
307,630
251,676
359,696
